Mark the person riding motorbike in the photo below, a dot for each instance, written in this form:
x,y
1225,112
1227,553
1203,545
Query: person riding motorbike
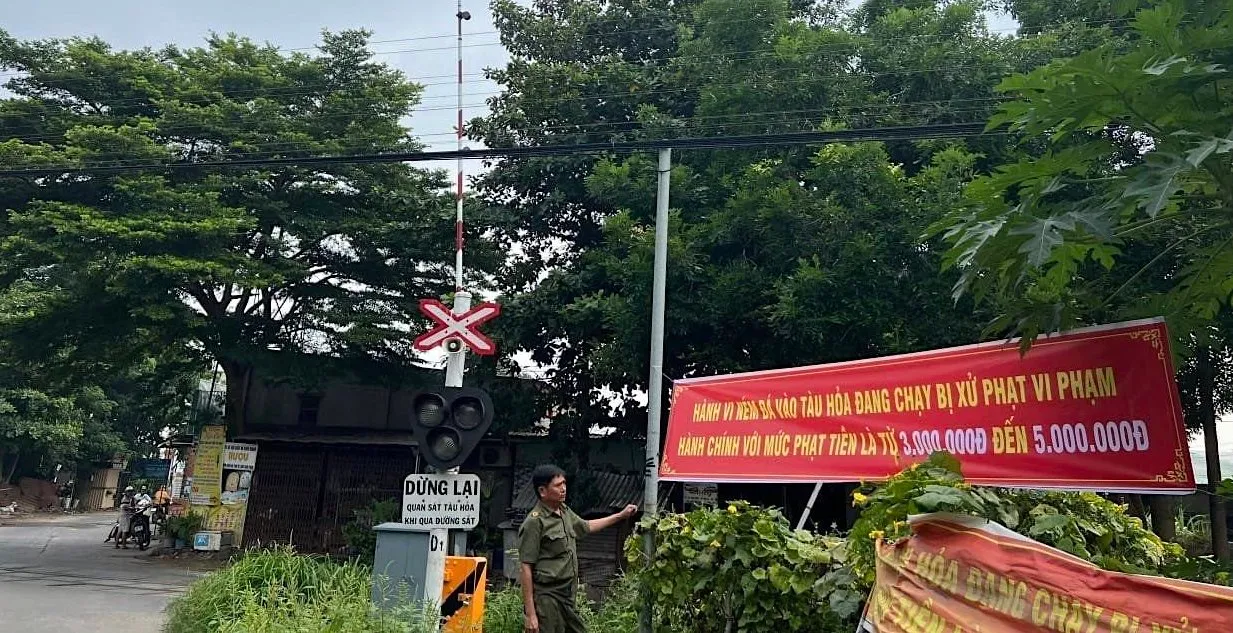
x,y
140,525
128,507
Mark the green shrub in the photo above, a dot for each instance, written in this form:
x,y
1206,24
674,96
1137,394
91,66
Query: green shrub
x,y
617,614
280,591
184,527
1194,534
1084,524
358,534
743,567
740,568
503,610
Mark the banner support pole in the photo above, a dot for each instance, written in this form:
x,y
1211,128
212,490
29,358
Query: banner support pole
x,y
655,380
813,497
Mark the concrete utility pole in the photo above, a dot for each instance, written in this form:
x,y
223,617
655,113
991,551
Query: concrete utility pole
x,y
438,540
655,386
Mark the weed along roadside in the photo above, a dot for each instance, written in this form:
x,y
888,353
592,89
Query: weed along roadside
x,y
280,590
743,568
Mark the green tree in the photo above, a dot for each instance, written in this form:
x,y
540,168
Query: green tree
x,y
66,401
778,256
1120,205
324,258
155,395
36,424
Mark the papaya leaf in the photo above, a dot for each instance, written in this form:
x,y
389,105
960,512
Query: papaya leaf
x,y
1044,235
1156,182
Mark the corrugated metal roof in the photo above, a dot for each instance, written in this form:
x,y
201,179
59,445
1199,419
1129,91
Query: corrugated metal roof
x,y
374,437
614,491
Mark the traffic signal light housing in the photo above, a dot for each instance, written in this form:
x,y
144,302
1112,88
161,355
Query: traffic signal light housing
x,y
449,422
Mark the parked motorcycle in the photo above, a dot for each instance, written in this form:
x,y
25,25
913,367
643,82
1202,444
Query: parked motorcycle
x,y
155,520
139,528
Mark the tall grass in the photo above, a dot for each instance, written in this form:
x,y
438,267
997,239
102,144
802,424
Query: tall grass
x,y
279,591
619,611
503,610
617,614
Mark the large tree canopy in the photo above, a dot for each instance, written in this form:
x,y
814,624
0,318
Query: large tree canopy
x,y
778,257
66,396
1120,203
1137,162
326,258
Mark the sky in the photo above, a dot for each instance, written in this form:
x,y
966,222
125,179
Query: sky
x,y
1224,432
415,36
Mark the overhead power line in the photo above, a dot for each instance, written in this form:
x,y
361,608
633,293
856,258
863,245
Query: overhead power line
x,y
684,91
613,33
747,55
744,123
914,132
20,131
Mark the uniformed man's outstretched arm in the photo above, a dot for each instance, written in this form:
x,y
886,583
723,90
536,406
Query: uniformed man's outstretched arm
x,y
595,525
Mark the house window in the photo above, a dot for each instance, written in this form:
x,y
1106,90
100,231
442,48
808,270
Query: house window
x,y
310,404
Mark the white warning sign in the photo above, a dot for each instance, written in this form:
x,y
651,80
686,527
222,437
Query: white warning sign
x,y
441,502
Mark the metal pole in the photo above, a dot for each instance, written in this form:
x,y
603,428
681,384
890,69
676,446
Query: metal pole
x,y
462,298
438,540
813,496
461,15
650,495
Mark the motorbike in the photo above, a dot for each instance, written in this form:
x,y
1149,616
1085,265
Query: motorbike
x,y
139,526
154,519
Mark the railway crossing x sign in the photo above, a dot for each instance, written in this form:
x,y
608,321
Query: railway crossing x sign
x,y
457,327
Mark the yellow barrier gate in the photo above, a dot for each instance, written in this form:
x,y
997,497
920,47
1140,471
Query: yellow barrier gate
x,y
462,595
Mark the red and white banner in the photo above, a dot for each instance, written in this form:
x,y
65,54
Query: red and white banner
x,y
1091,409
960,574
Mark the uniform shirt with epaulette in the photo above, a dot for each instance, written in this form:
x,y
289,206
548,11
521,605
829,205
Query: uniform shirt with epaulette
x,y
548,541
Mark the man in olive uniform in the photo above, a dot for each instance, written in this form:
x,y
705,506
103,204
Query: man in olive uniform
x,y
548,551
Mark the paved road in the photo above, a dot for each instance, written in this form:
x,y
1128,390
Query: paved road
x,y
56,575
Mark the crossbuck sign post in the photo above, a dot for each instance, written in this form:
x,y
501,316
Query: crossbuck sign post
x,y
452,327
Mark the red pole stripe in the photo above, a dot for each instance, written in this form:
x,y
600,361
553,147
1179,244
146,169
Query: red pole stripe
x,y
458,235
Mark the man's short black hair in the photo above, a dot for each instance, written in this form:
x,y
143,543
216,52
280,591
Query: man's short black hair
x,y
543,475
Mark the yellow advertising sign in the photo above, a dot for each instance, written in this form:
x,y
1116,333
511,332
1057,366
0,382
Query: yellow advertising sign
x,y
208,467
